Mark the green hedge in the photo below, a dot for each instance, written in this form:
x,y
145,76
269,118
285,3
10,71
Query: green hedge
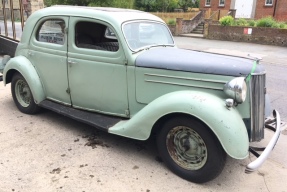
x,y
264,22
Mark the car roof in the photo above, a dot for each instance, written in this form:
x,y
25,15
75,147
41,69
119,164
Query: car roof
x,y
115,16
118,15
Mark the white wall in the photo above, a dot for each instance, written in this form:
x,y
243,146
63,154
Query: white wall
x,y
244,8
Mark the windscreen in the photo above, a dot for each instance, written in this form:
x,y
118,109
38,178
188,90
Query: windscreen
x,y
145,34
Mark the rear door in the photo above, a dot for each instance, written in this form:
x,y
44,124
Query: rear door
x,y
48,53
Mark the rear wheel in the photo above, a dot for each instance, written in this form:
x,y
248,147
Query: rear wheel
x,y
22,95
190,150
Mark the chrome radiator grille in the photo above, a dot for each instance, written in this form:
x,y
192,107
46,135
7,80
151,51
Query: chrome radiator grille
x,y
257,97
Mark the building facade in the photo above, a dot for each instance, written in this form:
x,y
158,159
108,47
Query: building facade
x,y
255,9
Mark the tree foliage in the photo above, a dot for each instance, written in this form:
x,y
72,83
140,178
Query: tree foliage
x,y
145,5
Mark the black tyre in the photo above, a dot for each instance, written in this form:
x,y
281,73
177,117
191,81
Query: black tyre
x,y
22,95
190,149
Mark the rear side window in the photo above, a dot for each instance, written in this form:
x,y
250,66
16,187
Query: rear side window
x,y
52,31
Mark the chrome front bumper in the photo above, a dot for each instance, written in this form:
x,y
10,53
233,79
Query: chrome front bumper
x,y
254,165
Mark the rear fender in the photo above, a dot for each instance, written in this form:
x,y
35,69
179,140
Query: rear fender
x,y
226,124
22,65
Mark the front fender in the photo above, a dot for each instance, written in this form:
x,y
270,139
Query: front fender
x,y
22,65
226,124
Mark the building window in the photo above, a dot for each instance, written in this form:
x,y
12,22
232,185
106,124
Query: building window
x,y
269,2
207,2
221,2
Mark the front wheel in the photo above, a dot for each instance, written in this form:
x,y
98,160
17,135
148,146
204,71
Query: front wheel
x,y
22,95
190,149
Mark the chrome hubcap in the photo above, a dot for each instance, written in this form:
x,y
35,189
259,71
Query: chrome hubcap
x,y
186,147
23,93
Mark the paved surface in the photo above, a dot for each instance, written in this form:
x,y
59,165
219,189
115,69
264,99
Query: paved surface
x,y
48,152
270,54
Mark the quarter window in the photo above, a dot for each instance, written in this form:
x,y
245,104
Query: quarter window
x,y
221,2
207,2
268,2
52,31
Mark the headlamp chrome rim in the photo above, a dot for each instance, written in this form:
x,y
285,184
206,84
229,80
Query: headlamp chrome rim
x,y
236,89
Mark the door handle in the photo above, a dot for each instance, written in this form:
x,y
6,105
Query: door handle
x,y
71,63
30,53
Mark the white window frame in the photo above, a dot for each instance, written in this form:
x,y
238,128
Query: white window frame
x,y
207,3
221,3
268,2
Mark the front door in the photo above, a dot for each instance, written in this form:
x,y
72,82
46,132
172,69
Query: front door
x,y
96,68
48,53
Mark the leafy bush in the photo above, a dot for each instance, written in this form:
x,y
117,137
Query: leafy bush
x,y
241,22
266,22
251,23
276,25
171,22
282,25
226,20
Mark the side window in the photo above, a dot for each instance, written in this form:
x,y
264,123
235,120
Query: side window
x,y
52,31
90,35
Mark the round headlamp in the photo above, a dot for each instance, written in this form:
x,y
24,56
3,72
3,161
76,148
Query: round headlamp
x,y
236,89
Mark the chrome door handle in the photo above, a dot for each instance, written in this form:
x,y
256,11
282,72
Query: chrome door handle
x,y
71,63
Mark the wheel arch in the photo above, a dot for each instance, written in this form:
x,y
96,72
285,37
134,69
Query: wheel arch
x,y
161,121
9,75
226,124
22,65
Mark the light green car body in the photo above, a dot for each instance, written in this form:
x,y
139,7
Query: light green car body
x,y
115,86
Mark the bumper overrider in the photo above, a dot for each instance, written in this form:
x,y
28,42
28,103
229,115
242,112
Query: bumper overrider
x,y
273,125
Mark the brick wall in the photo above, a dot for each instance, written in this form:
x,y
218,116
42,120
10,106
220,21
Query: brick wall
x,y
186,26
263,11
281,10
214,5
260,35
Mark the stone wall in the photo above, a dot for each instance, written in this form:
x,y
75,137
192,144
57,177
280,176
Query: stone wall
x,y
172,29
260,35
186,26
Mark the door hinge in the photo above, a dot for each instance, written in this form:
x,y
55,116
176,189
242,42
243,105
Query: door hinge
x,y
68,91
126,62
127,112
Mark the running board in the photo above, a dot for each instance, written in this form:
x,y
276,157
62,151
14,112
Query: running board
x,y
100,121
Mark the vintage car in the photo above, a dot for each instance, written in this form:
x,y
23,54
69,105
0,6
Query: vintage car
x,y
120,71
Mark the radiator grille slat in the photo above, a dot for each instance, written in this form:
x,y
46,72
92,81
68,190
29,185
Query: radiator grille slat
x,y
257,106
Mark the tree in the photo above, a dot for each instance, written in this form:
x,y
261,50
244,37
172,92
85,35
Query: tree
x,y
166,5
146,5
102,3
185,4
